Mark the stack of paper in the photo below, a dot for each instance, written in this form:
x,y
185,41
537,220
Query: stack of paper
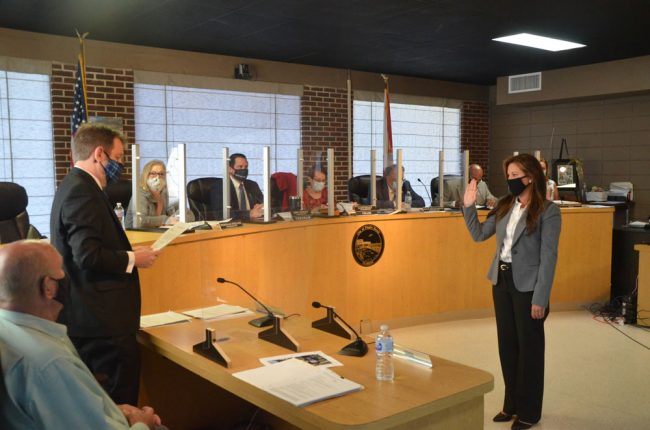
x,y
162,318
298,383
215,311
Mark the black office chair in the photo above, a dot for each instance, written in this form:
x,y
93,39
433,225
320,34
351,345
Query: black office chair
x,y
119,191
14,220
359,188
205,196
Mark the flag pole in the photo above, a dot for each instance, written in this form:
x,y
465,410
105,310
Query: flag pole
x,y
82,62
388,129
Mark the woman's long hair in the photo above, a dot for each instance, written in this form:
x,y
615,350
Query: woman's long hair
x,y
533,169
146,170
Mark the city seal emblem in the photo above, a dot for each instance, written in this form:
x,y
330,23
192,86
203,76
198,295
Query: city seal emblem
x,y
367,245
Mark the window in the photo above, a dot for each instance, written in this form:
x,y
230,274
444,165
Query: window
x,y
420,131
208,120
26,145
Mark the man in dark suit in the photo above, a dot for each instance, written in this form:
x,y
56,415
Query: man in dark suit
x,y
246,198
102,307
387,190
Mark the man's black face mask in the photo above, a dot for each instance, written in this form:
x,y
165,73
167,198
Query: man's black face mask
x,y
63,291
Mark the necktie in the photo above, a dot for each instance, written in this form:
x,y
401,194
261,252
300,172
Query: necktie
x,y
242,197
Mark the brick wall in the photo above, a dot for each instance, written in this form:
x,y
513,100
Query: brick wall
x,y
474,133
324,123
110,94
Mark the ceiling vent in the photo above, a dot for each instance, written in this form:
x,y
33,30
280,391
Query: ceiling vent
x,y
525,83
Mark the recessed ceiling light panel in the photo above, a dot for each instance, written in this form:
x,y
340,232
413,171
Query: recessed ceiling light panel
x,y
539,42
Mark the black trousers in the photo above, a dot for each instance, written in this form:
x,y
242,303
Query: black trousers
x,y
115,362
521,349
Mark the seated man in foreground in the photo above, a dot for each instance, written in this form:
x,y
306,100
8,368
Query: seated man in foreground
x,y
45,384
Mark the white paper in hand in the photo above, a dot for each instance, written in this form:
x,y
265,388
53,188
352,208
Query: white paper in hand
x,y
173,233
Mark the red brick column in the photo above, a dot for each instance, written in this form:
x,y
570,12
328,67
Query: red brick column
x,y
324,124
110,94
474,132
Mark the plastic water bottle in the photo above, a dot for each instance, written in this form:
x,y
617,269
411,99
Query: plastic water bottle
x,y
119,212
408,199
384,369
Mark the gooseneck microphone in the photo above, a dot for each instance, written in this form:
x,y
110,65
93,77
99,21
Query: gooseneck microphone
x,y
427,191
258,322
275,334
358,348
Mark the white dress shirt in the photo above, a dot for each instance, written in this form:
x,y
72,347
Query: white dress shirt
x,y
515,216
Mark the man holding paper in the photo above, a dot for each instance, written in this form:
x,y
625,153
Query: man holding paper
x,y
102,307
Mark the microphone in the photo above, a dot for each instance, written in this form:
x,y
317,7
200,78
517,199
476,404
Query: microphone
x,y
276,334
427,191
258,322
358,348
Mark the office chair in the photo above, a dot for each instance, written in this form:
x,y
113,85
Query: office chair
x,y
119,191
205,196
14,220
359,188
283,185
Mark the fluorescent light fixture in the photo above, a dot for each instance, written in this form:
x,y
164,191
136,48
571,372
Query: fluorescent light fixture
x,y
539,42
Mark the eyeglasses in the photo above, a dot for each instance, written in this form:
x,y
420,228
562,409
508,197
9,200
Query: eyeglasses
x,y
109,157
159,174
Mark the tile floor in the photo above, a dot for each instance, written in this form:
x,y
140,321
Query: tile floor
x,y
596,377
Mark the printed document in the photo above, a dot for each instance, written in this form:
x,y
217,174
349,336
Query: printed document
x,y
215,311
162,318
298,382
173,232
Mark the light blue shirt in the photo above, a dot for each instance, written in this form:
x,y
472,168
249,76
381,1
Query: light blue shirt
x,y
46,385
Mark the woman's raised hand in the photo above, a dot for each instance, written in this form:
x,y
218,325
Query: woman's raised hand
x,y
469,199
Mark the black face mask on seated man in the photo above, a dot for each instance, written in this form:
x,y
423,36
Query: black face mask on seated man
x,y
63,291
241,174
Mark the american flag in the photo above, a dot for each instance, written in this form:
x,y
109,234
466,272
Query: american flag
x,y
80,108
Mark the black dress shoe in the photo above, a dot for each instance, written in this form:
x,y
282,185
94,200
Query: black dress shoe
x,y
520,425
501,417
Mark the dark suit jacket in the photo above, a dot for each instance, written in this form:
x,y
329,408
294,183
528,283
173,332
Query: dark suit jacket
x,y
255,196
104,300
383,196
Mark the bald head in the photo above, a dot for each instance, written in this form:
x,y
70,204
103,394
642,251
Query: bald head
x,y
29,271
475,172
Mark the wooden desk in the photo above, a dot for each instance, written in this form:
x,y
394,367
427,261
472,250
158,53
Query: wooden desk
x,y
430,266
191,392
643,297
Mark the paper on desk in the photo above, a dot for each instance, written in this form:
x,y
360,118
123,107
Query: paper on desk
x,y
171,234
297,382
162,318
215,311
315,358
637,224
